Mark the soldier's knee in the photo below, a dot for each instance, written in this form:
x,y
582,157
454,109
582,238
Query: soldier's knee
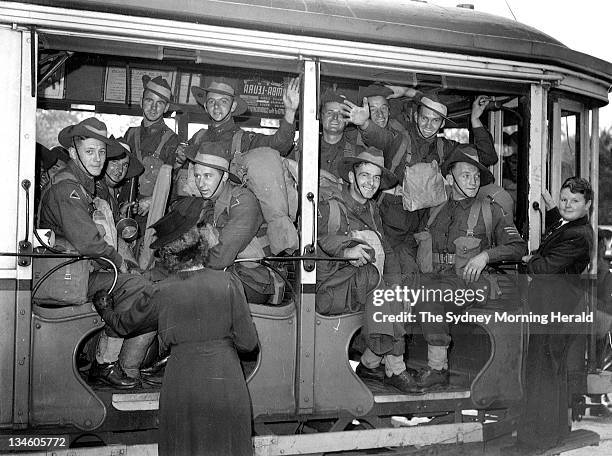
x,y
439,340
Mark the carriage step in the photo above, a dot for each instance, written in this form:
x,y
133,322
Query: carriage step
x,y
129,402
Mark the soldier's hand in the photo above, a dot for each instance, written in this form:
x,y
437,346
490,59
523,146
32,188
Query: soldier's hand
x,y
474,267
359,255
401,91
526,258
291,95
479,105
143,206
549,202
356,114
180,154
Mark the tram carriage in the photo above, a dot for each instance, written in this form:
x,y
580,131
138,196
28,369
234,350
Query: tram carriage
x,y
84,54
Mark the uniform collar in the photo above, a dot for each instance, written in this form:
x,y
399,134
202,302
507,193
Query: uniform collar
x,y
228,125
156,126
353,205
223,200
465,203
82,177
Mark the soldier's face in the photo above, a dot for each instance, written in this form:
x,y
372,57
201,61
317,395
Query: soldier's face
x,y
332,119
116,170
428,121
365,181
379,110
89,154
465,177
573,206
153,106
219,106
208,180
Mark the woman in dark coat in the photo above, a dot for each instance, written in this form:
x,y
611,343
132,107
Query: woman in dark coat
x,y
555,271
203,317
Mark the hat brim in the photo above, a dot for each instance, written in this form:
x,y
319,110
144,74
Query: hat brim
x,y
374,90
387,179
65,136
199,94
175,234
135,168
235,179
486,176
444,116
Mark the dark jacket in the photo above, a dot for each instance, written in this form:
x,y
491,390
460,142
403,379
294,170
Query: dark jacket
x,y
282,140
556,267
67,209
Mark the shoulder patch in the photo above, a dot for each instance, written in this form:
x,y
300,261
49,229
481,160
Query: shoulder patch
x,y
235,203
75,195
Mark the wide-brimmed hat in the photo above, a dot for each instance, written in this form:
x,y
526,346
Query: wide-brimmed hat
x,y
332,95
214,155
370,155
374,90
90,128
177,222
135,167
47,158
431,101
467,153
159,86
61,152
224,88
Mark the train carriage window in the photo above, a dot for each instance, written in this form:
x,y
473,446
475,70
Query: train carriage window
x,y
570,144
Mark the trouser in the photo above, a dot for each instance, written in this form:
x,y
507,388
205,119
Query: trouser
x,y
444,292
400,225
545,421
110,347
394,364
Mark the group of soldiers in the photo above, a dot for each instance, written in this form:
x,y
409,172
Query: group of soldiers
x,y
361,219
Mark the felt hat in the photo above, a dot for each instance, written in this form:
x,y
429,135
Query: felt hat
x,y
432,101
46,157
135,167
159,86
467,153
331,95
61,152
177,222
90,128
214,155
223,87
370,155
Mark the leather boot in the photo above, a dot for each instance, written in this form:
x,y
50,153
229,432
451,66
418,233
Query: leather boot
x,y
112,374
156,367
429,378
377,373
404,382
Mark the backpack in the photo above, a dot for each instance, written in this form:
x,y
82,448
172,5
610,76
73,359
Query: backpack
x,y
151,163
423,183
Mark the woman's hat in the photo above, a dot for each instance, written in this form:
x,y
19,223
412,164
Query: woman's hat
x,y
214,155
431,101
370,155
135,167
467,153
177,222
159,86
224,88
90,128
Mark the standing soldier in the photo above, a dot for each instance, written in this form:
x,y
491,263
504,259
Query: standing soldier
x,y
152,142
467,233
418,143
254,154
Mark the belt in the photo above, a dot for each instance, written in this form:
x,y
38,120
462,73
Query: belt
x,y
443,258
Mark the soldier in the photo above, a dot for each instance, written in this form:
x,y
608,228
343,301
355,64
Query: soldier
x,y
119,171
349,226
152,142
266,177
237,228
335,144
417,143
68,207
467,233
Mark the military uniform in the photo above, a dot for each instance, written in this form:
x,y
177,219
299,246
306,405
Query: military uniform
x,y
400,225
449,225
331,154
67,209
239,222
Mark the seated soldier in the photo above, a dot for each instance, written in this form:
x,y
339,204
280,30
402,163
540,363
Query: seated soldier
x,y
68,207
349,226
261,169
467,233
237,228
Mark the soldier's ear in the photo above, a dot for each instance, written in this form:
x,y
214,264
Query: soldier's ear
x,y
351,177
72,153
449,179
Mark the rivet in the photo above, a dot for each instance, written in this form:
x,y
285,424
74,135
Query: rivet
x,y
38,326
318,322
